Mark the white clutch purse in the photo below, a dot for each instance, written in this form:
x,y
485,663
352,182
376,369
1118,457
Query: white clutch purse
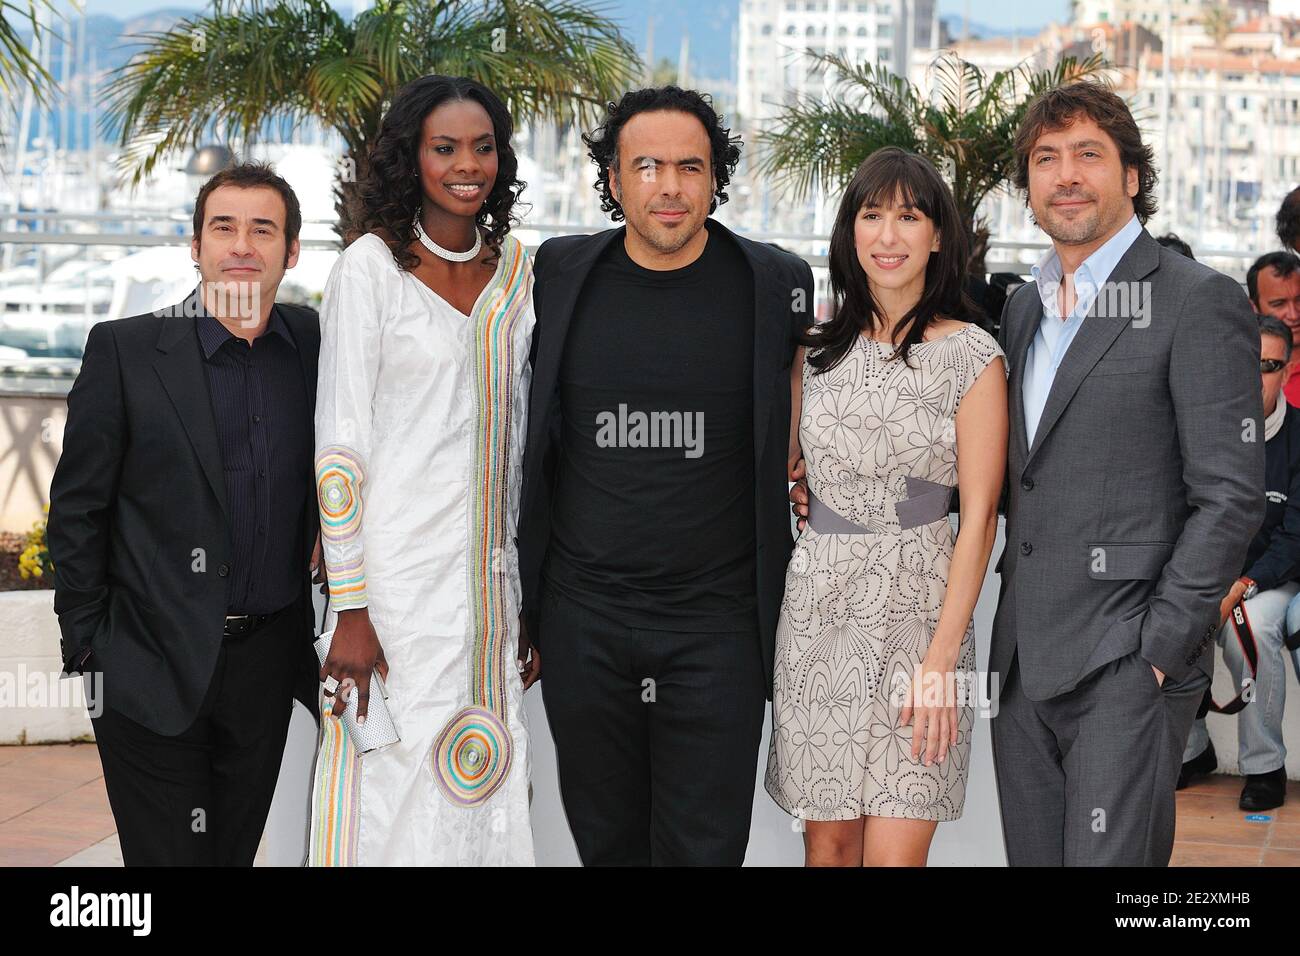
x,y
378,730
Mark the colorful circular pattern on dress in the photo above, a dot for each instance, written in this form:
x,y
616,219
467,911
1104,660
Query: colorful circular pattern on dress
x,y
471,756
338,473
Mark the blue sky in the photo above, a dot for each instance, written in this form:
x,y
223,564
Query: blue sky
x,y
995,13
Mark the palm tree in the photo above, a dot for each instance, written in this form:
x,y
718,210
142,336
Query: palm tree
x,y
18,65
967,130
244,65
1217,24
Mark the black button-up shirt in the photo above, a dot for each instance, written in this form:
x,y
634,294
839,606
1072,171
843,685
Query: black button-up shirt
x,y
264,428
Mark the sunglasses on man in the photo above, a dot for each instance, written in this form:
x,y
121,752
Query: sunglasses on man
x,y
1271,365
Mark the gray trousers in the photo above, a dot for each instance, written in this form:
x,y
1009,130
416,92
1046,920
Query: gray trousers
x,y
1087,778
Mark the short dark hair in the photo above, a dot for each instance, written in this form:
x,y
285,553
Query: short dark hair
x,y
1172,241
1283,263
249,176
602,142
1271,325
1288,219
1057,108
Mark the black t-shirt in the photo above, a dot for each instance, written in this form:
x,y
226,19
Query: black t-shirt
x,y
653,513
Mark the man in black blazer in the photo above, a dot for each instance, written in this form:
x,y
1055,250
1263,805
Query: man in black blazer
x,y
182,528
653,534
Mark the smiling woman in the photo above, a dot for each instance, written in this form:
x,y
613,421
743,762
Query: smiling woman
x,y
875,636
897,257
426,324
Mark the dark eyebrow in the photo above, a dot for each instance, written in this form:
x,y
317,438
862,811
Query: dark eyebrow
x,y
452,139
688,161
259,222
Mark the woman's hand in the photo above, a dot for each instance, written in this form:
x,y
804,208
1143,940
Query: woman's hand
x,y
932,707
354,654
797,472
317,567
530,661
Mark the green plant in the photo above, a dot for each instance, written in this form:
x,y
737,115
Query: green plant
x,y
18,65
247,64
967,129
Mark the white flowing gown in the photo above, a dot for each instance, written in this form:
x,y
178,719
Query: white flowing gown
x,y
420,430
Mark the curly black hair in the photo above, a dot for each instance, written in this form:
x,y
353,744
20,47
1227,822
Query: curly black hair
x,y
1288,220
390,193
602,142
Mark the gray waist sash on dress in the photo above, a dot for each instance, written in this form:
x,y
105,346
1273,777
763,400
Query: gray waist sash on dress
x,y
926,501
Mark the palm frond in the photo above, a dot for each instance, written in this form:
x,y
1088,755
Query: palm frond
x,y
19,66
250,62
968,124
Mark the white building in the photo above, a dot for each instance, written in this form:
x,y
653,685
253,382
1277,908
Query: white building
x,y
774,69
1151,13
1234,141
773,35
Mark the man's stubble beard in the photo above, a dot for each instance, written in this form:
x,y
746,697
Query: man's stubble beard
x,y
1078,231
663,240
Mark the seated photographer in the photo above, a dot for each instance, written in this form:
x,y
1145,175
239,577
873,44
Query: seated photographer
x,y
1253,641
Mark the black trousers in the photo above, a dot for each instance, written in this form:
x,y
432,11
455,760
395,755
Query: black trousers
x,y
656,735
201,798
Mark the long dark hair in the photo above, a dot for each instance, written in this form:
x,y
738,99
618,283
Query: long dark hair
x,y
602,142
390,190
891,174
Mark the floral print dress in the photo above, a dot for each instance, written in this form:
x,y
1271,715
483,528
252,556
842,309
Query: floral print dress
x,y
860,608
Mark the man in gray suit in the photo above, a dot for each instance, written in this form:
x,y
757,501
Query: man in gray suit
x,y
1136,476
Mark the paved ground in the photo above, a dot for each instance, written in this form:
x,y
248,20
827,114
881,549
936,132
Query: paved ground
x,y
54,812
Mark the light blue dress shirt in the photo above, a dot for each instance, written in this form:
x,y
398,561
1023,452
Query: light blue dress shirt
x,y
1055,334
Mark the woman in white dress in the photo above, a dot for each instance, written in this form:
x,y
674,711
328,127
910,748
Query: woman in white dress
x,y
426,323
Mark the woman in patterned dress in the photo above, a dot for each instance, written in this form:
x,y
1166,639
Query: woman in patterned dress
x,y
425,329
875,657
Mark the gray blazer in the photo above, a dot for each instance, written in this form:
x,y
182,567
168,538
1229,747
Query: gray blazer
x,y
1130,516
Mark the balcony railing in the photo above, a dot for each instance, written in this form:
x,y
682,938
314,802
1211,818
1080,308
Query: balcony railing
x,y
31,295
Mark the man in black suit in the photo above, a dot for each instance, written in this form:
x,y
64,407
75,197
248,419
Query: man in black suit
x,y
653,533
182,528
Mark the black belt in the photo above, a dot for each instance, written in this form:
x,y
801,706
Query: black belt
x,y
238,625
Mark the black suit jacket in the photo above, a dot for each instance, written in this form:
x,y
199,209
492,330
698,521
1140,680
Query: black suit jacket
x,y
138,531
783,306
